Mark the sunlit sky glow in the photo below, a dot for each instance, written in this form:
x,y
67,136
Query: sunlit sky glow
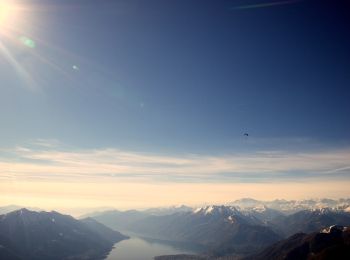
x,y
133,103
8,12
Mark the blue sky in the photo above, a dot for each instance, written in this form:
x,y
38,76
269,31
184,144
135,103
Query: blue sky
x,y
179,78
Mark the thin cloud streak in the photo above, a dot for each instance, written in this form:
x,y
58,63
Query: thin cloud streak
x,y
48,162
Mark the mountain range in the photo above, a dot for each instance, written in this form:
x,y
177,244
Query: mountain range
x,y
292,206
219,229
245,228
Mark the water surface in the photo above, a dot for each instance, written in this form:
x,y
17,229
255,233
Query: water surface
x,y
139,248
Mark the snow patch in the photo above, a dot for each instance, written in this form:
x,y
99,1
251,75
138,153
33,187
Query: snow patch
x,y
209,210
231,219
334,228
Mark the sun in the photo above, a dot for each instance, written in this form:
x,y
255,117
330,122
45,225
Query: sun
x,y
8,13
4,11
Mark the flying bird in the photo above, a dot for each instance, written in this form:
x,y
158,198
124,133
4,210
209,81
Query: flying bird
x,y
246,134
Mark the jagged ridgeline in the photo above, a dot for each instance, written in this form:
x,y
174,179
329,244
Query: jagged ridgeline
x,y
243,229
247,227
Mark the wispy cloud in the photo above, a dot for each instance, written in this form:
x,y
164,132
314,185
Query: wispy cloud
x,y
48,160
45,142
265,5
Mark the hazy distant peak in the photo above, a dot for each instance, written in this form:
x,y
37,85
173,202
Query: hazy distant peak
x,y
260,208
247,200
168,210
10,208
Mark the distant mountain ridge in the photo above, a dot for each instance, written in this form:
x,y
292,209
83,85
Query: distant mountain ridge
x,y
168,210
293,206
42,235
275,207
119,220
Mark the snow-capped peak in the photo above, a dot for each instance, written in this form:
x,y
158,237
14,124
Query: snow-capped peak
x,y
334,228
213,209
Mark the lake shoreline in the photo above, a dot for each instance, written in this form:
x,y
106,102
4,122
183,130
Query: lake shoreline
x,y
141,247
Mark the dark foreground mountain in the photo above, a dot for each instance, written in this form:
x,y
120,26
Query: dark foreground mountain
x,y
308,221
183,257
33,235
329,244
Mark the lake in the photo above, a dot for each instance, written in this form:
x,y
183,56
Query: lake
x,y
137,248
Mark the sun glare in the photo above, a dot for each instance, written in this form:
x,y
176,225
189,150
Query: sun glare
x,y
5,12
8,13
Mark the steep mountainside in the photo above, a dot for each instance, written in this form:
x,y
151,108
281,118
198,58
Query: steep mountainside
x,y
221,229
33,235
332,243
102,230
329,244
308,221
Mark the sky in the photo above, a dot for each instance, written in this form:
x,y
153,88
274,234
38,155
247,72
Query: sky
x,y
133,103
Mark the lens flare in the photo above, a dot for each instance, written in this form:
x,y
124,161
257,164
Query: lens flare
x,y
28,42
